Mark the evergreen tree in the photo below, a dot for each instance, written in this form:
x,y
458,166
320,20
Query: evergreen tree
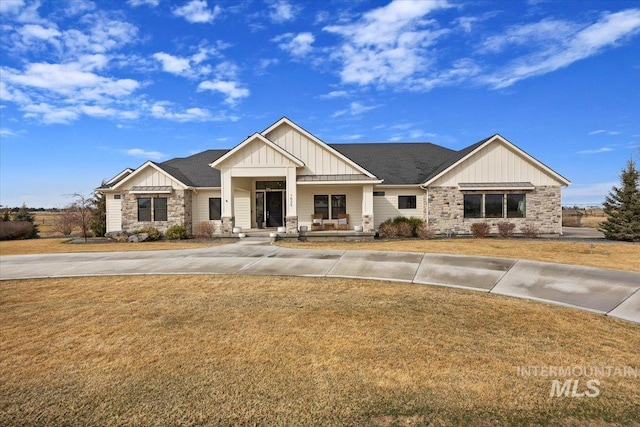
x,y
622,207
6,216
99,220
23,214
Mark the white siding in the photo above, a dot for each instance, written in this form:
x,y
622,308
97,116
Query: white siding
x,y
152,177
114,213
257,153
305,202
317,159
200,205
496,163
385,207
242,207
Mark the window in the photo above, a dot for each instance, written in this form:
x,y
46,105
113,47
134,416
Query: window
x,y
473,205
338,205
116,196
215,208
407,202
493,205
516,206
321,205
144,209
160,209
378,193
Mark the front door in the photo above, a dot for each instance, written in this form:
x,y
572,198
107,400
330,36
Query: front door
x,y
274,208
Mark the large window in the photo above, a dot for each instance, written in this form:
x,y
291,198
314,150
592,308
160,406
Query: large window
x,y
338,205
407,202
494,205
473,205
157,205
215,208
321,205
160,209
144,209
516,207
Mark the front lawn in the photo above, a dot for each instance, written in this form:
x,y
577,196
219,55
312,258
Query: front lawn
x,y
242,350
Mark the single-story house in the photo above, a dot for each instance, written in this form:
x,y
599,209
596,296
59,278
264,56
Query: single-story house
x,y
287,177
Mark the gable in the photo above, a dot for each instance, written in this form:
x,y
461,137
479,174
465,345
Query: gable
x,y
497,161
149,175
257,151
318,157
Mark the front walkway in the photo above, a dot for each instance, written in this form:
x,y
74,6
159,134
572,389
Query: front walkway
x,y
610,292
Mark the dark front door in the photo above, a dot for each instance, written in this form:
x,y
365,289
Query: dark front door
x,y
274,208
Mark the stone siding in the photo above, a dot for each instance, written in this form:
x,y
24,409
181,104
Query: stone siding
x,y
178,211
446,211
291,223
367,223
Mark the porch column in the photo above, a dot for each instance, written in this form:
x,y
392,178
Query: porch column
x,y
291,221
367,208
226,192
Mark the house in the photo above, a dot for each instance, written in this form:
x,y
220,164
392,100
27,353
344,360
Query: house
x,y
287,177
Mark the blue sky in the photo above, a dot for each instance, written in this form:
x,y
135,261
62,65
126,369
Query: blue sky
x,y
88,88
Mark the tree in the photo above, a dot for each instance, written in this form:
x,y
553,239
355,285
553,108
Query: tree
x,y
65,221
99,219
83,212
23,215
622,207
6,216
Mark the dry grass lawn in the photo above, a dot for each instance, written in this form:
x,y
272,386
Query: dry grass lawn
x,y
618,256
238,350
56,246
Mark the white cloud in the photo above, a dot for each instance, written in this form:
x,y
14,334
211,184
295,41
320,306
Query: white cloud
x,y
172,64
593,193
388,45
229,88
76,7
136,3
163,110
355,108
596,132
8,133
297,45
334,94
596,150
144,154
37,31
561,47
197,11
282,11
51,114
11,6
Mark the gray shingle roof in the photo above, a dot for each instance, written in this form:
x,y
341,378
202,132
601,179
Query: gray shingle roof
x,y
395,163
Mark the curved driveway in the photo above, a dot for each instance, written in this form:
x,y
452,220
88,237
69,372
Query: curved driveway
x,y
610,292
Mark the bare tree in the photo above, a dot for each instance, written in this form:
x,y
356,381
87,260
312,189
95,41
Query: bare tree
x,y
83,211
65,220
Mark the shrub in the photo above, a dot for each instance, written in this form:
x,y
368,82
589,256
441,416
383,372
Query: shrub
x,y
154,233
16,230
176,232
530,231
388,230
405,229
204,230
425,232
506,228
480,230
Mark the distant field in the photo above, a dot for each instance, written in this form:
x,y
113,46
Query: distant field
x,y
588,217
242,350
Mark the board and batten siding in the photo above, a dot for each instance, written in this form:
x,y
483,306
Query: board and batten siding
x,y
242,208
257,153
496,163
114,213
200,205
318,160
305,202
152,177
386,207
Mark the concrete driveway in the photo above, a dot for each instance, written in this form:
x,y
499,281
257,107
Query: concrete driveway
x,y
610,292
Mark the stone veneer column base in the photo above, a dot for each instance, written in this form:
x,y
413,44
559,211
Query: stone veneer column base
x,y
227,224
291,223
367,223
